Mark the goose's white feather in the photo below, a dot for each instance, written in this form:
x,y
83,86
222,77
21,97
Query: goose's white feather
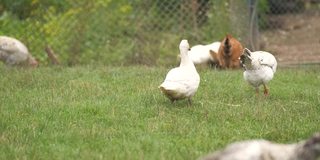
x,y
183,81
200,54
14,52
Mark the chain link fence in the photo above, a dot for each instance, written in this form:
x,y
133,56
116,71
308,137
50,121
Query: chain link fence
x,y
290,30
121,32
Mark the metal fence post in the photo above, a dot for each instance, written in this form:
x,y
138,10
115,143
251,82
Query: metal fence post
x,y
254,36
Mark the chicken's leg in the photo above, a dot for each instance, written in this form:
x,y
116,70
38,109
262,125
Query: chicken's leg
x,y
266,90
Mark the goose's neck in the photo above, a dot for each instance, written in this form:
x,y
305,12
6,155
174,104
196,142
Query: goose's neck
x,y
185,60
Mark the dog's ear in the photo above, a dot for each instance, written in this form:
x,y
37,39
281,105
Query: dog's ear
x,y
215,57
213,54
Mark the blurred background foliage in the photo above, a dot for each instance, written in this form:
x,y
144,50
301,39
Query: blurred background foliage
x,y
113,32
121,32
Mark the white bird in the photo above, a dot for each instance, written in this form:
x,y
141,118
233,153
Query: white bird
x,y
260,67
266,150
13,52
201,54
183,81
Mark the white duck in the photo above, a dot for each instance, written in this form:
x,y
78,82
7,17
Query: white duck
x,y
13,52
202,54
259,68
183,81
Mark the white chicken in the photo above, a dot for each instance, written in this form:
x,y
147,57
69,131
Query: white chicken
x,y
200,54
266,150
183,81
260,67
13,52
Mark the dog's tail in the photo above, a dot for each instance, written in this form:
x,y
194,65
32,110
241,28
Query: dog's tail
x,y
227,45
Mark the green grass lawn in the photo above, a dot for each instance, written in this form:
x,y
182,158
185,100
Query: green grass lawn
x,y
119,113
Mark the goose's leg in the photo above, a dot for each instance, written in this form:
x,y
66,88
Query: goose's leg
x,y
266,90
189,101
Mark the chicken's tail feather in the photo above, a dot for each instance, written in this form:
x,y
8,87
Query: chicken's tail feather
x,y
245,57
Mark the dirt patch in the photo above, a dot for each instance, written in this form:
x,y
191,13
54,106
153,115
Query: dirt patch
x,y
296,40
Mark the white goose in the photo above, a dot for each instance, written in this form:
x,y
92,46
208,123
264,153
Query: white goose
x,y
13,52
183,81
202,54
259,68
